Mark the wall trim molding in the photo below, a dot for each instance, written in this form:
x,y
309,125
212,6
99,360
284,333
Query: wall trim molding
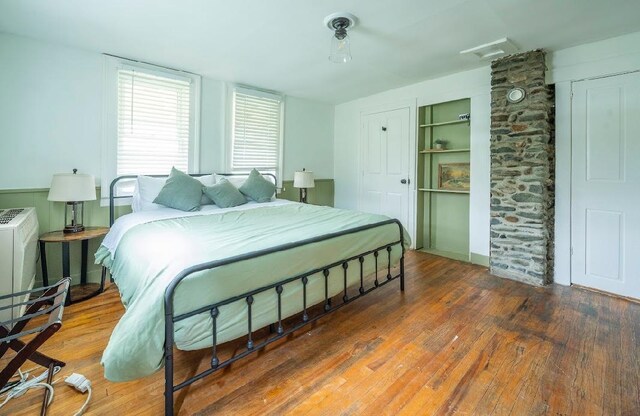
x,y
479,259
24,190
30,190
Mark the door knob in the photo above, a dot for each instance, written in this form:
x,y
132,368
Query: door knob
x,y
384,128
404,181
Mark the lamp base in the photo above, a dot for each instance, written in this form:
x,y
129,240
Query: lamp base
x,y
70,229
73,217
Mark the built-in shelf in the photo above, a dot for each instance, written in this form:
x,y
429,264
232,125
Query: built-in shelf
x,y
444,150
442,215
448,191
445,123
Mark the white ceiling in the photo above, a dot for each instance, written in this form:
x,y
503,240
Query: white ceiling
x,y
282,44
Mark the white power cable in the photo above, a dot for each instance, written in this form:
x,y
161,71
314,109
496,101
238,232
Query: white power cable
x,y
31,386
82,384
25,384
78,381
84,406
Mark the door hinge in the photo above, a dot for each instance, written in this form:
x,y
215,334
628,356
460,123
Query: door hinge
x,y
572,250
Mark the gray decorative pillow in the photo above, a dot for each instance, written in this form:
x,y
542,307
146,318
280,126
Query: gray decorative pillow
x,y
224,194
181,191
257,187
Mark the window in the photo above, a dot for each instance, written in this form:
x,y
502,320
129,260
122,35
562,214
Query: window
x,y
256,131
152,122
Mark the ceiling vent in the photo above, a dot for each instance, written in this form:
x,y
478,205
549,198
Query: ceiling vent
x,y
492,50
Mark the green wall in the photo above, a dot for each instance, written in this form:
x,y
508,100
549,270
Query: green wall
x,y
51,218
322,194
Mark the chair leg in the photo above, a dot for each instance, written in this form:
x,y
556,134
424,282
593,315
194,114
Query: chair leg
x,y
25,353
43,409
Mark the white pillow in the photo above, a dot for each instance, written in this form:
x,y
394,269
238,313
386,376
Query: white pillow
x,y
236,180
147,189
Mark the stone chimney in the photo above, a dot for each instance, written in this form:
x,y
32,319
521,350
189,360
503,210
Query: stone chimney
x,y
522,170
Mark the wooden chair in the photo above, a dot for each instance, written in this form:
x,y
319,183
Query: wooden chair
x,y
51,303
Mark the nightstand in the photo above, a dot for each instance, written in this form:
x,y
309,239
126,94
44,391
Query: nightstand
x,y
84,290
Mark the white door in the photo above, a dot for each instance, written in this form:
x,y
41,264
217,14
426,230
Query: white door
x,y
605,204
385,164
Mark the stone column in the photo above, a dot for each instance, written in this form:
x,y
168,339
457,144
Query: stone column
x,y
522,170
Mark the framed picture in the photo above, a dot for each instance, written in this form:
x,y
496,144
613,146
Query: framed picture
x,y
454,176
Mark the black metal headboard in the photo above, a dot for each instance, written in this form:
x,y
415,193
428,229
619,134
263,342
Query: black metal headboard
x,y
113,197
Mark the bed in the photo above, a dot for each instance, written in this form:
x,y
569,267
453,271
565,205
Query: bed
x,y
199,279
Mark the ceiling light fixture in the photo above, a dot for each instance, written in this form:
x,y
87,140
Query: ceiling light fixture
x,y
340,43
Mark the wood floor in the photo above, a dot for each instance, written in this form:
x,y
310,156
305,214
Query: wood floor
x,y
458,341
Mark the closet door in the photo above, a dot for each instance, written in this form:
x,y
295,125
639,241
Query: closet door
x,y
605,194
385,164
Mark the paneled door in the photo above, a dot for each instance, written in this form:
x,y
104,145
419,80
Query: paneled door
x,y
605,204
385,164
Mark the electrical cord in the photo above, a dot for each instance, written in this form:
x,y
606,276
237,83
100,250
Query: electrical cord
x,y
24,385
20,387
11,384
84,406
31,386
82,384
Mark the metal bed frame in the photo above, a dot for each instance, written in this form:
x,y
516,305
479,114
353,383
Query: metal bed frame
x,y
280,332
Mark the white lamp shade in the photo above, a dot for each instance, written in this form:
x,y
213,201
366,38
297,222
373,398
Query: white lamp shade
x,y
303,179
72,187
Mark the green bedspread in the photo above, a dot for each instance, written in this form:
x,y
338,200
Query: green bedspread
x,y
150,255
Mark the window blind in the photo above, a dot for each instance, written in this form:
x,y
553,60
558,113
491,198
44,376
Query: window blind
x,y
153,122
256,131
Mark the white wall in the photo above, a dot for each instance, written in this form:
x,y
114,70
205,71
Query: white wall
x,y
50,112
212,125
475,84
51,118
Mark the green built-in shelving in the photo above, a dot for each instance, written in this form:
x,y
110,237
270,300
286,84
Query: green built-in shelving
x,y
443,214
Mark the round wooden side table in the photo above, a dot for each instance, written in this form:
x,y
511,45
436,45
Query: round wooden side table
x,y
84,290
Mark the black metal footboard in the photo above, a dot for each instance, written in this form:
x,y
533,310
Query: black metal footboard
x,y
380,254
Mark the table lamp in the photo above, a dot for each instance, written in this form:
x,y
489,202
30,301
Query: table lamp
x,y
303,180
74,189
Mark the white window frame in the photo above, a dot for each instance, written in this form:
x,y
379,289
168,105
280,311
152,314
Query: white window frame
x,y
231,120
112,65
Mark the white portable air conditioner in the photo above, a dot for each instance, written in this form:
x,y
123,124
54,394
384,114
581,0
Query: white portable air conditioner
x,y
18,242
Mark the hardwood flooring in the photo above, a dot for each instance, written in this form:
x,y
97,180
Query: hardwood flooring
x,y
458,341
